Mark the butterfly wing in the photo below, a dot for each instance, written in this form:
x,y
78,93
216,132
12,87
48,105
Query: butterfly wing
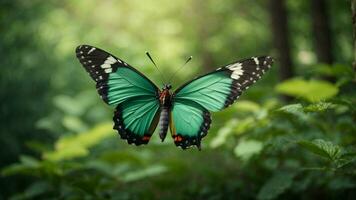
x,y
137,119
189,122
123,86
212,92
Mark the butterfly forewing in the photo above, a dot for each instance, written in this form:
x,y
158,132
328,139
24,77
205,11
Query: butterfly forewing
x,y
116,80
121,85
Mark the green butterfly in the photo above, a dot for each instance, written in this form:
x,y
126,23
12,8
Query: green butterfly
x,y
141,105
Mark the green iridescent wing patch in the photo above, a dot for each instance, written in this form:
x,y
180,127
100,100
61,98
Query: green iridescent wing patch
x,y
189,123
121,85
137,119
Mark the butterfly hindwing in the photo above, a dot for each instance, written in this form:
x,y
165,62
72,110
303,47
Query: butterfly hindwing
x,y
137,119
123,86
211,92
189,122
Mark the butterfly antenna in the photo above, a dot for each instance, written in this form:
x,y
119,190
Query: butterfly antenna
x,y
149,56
174,73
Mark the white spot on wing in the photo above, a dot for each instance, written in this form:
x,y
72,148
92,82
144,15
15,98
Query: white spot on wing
x,y
108,62
109,70
236,70
256,60
105,65
113,60
91,50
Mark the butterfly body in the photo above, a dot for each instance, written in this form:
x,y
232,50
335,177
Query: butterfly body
x,y
141,105
165,99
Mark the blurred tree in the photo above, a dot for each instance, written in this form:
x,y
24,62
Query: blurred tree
x,y
24,82
279,20
353,8
322,32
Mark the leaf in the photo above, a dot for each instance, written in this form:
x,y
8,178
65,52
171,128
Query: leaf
x,y
247,148
319,107
322,148
70,147
294,109
312,90
247,106
74,124
276,185
140,174
26,165
221,137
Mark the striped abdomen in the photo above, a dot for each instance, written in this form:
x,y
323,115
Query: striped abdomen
x,y
163,122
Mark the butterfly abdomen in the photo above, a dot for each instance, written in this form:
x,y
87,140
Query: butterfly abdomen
x,y
165,100
163,122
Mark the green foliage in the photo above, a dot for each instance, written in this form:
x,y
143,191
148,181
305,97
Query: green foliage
x,y
74,146
322,148
56,134
313,90
246,149
276,185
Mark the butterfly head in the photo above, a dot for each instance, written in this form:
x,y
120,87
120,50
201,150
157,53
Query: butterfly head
x,y
167,87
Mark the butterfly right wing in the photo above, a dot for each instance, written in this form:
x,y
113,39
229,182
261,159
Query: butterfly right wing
x,y
214,91
189,123
119,84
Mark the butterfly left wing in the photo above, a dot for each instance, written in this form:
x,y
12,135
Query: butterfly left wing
x,y
119,84
211,92
137,119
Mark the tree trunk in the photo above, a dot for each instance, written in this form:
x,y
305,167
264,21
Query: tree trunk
x,y
353,7
279,22
321,30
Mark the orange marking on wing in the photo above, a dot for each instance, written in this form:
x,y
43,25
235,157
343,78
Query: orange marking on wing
x,y
146,138
178,138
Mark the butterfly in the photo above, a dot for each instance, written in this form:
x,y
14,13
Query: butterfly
x,y
141,105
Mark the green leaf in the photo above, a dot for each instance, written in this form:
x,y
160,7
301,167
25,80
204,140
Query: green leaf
x,y
223,134
319,107
140,174
26,165
276,185
247,106
74,146
247,148
74,124
322,148
221,137
295,109
312,90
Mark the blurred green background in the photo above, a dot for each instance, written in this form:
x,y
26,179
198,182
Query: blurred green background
x,y
290,136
